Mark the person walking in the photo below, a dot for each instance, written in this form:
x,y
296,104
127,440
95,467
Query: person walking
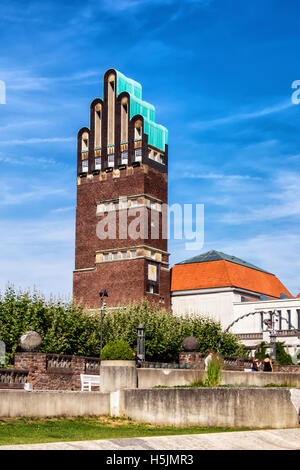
x,y
268,366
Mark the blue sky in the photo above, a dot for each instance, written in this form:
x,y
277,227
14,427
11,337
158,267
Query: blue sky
x,y
219,73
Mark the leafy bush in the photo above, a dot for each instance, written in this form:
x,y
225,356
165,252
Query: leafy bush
x,y
67,328
117,350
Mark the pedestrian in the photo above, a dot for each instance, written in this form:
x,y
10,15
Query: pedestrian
x,y
208,358
268,366
255,364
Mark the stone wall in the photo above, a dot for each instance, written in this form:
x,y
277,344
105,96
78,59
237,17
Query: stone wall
x,y
54,371
17,404
228,407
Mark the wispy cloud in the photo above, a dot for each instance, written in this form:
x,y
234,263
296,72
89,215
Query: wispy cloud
x,y
122,5
33,140
281,200
233,118
10,197
218,176
25,80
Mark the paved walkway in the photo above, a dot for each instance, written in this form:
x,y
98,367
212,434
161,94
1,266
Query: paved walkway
x,y
276,439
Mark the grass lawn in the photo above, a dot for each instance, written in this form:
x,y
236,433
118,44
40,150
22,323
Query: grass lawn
x,y
34,430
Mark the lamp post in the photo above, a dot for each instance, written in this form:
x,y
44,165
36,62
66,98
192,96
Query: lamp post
x,y
102,306
141,342
271,327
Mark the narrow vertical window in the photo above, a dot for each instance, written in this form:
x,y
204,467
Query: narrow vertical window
x,y
298,319
98,117
138,155
124,158
85,166
289,319
111,111
261,321
124,121
138,130
279,320
85,142
98,163
111,160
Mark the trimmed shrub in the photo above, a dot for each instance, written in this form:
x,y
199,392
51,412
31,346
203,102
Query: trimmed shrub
x,y
117,351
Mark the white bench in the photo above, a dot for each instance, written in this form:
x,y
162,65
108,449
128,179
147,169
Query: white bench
x,y
89,381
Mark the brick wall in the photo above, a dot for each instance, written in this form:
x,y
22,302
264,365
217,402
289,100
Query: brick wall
x,y
53,371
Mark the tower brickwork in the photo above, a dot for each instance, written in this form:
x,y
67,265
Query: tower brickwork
x,y
122,191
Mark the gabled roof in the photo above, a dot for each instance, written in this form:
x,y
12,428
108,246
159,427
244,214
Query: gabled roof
x,y
216,269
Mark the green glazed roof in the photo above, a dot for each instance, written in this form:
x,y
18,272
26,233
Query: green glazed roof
x,y
157,134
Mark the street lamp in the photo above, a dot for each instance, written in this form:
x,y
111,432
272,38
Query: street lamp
x,y
141,342
102,306
271,328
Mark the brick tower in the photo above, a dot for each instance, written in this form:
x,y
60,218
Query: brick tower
x,y
122,192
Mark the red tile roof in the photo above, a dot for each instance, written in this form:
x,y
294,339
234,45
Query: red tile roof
x,y
223,273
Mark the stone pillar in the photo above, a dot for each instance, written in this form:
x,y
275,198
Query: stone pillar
x,y
117,375
35,363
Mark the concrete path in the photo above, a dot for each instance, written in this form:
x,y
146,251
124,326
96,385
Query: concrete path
x,y
276,439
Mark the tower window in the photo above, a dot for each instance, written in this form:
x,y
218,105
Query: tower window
x,y
124,158
85,142
133,253
115,255
138,155
124,254
138,130
111,161
85,166
106,257
98,163
152,288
